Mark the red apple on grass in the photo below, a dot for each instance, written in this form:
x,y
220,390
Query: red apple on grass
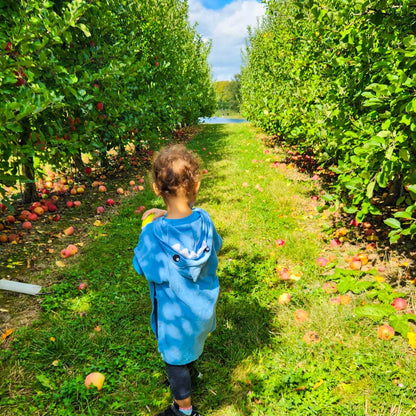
x,y
330,287
73,249
110,202
301,315
69,230
65,253
100,210
32,217
94,379
399,304
27,225
385,332
284,298
335,242
322,261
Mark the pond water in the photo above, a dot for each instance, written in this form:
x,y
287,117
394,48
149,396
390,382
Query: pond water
x,y
221,120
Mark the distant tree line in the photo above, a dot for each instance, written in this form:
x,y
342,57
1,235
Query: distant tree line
x,y
228,94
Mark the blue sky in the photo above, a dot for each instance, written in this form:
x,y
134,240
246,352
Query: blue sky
x,y
215,4
225,23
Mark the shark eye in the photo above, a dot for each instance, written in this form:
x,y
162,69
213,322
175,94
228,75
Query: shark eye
x,y
176,257
207,249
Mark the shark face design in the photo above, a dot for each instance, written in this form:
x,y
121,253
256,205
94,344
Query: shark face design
x,y
191,254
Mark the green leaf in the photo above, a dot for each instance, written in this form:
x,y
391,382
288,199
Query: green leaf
x,y
393,223
400,324
85,29
404,154
375,312
370,189
45,382
403,214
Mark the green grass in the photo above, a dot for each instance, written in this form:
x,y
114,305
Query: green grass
x,y
256,362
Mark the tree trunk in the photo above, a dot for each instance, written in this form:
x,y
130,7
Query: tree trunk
x,y
78,163
29,192
28,170
394,191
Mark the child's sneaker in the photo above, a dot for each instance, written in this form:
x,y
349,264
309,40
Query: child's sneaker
x,y
173,410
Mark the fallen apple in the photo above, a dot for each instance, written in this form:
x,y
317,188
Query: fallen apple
x,y
279,242
120,191
65,253
32,217
110,202
94,379
69,230
301,315
284,298
69,204
73,249
284,274
102,188
335,242
27,225
330,288
399,304
100,210
77,203
355,264
385,332
345,299
322,261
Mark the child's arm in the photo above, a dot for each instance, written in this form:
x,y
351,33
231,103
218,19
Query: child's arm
x,y
156,211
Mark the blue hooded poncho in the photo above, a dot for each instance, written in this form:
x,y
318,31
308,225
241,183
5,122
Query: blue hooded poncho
x,y
178,257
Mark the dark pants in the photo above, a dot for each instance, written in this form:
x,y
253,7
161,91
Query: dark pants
x,y
180,380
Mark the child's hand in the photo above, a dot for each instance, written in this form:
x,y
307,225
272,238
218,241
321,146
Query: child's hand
x,y
156,211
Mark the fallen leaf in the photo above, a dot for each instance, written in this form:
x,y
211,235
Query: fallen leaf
x,y
55,363
319,383
98,223
60,263
6,334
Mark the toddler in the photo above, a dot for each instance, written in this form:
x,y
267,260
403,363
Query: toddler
x,y
177,253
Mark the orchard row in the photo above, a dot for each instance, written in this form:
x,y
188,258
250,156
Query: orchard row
x,y
336,79
80,77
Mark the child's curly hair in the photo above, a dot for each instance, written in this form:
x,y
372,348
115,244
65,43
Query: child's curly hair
x,y
176,168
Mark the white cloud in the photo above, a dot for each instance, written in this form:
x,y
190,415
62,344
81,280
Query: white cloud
x,y
227,28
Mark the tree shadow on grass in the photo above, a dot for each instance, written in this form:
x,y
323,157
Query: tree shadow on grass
x,y
243,327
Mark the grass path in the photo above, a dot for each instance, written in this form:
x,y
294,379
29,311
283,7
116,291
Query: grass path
x,y
258,361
